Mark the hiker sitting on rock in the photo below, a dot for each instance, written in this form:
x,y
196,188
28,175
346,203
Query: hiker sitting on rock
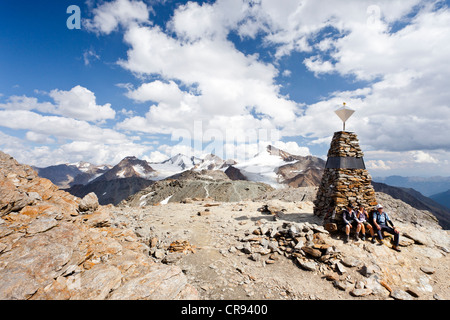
x,y
363,218
381,220
350,221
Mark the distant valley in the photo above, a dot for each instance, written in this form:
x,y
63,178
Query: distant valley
x,y
428,186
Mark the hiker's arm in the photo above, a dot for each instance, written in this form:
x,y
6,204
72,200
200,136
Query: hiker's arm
x,y
345,220
375,222
389,221
392,225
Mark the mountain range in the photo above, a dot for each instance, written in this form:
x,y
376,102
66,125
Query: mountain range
x,y
112,184
417,200
273,167
428,186
443,198
66,175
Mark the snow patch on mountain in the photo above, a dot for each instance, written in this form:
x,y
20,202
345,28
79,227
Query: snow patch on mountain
x,y
263,168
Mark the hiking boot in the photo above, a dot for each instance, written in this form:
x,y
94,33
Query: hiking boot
x,y
396,248
373,239
363,238
357,238
347,239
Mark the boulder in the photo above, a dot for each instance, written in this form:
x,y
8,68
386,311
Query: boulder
x,y
311,251
89,202
307,264
361,292
400,295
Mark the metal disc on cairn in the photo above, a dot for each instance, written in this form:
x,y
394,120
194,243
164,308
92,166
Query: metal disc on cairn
x,y
344,113
345,178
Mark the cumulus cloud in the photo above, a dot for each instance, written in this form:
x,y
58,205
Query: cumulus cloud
x,y
293,148
110,15
404,105
66,130
157,91
416,162
156,156
58,127
94,151
378,165
423,157
225,88
27,103
78,103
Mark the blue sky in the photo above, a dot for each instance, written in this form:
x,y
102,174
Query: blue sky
x,y
157,77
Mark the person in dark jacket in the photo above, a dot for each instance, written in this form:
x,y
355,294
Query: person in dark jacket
x,y
350,221
381,221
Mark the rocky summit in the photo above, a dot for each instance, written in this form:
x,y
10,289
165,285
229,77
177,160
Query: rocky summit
x,y
190,184
265,244
56,246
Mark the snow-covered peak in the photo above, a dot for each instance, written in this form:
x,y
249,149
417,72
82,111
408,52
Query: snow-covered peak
x,y
87,167
263,167
129,167
82,165
183,161
210,162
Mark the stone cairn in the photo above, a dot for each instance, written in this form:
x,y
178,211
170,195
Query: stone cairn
x,y
345,178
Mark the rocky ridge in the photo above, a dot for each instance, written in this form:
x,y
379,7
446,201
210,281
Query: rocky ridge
x,y
56,246
213,184
273,249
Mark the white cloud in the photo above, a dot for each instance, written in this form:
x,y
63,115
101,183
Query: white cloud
x,y
405,105
109,15
230,87
293,25
157,91
78,103
89,55
317,65
379,165
293,148
423,157
39,138
58,127
417,163
172,150
96,152
156,156
287,73
27,103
